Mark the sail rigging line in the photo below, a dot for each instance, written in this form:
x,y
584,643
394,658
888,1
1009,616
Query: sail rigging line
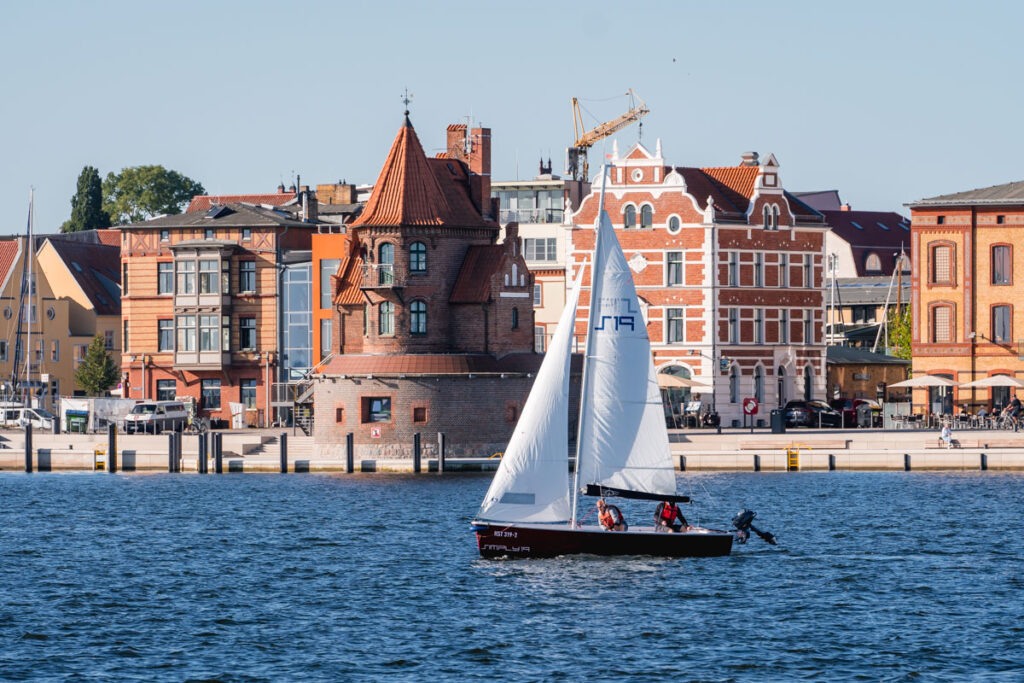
x,y
588,348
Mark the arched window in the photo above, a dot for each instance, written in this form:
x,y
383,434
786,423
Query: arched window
x,y
629,217
940,271
941,323
734,385
515,274
515,318
775,217
872,263
766,215
808,382
386,264
646,216
673,225
781,391
386,318
418,257
759,384
418,317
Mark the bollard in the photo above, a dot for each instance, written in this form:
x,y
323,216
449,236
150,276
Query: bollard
x,y
112,448
831,462
757,462
984,462
350,456
170,451
440,452
28,448
416,453
284,452
906,462
218,453
682,463
56,424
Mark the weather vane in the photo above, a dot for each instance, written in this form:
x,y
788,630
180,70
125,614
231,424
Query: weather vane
x,y
406,99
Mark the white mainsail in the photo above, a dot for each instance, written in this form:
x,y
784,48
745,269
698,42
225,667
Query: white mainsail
x,y
623,442
532,482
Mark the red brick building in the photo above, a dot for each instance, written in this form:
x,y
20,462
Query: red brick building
x,y
433,320
729,270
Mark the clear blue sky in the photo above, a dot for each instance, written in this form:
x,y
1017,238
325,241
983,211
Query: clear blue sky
x,y
886,101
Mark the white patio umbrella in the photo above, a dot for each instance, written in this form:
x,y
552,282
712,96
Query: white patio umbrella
x,y
994,381
667,381
925,381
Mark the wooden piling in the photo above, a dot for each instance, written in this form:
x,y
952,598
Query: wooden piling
x,y
284,452
218,453
831,462
906,462
202,452
682,463
440,452
171,451
984,462
350,455
416,453
757,462
112,448
28,448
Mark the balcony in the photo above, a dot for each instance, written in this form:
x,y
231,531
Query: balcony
x,y
531,215
201,360
381,276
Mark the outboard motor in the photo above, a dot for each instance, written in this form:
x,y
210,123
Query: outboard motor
x,y
743,521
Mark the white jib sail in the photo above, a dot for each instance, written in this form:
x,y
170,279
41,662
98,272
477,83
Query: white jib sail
x,y
532,482
623,439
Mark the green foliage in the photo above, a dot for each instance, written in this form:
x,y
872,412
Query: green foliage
x,y
141,192
97,372
899,332
87,205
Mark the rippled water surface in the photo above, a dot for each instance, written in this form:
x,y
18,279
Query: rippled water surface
x,y
877,576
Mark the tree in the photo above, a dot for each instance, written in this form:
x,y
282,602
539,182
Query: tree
x,y
97,372
87,205
899,332
141,192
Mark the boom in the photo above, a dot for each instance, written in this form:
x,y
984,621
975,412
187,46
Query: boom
x,y
577,154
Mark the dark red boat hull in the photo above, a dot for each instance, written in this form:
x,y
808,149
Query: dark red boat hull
x,y
518,541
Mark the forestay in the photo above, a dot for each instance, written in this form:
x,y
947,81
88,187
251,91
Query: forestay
x,y
532,482
623,442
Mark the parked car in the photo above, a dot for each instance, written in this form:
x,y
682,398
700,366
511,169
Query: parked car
x,y
152,417
811,414
19,416
849,407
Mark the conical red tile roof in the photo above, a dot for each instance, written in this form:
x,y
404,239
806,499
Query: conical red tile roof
x,y
406,192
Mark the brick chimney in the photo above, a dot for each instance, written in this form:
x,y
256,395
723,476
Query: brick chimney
x,y
336,193
749,159
844,207
475,150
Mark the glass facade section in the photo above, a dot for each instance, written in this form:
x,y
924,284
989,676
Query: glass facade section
x,y
297,320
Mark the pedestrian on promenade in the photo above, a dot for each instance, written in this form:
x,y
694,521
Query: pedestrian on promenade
x,y
947,435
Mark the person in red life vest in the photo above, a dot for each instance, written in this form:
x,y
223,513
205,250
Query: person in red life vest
x,y
610,516
667,517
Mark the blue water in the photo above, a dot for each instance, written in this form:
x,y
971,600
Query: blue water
x,y
877,576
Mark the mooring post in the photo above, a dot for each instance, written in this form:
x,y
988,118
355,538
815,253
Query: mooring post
x,y
440,452
831,462
218,453
28,448
284,452
757,462
111,448
906,462
984,462
201,446
350,455
179,445
416,453
170,451
682,463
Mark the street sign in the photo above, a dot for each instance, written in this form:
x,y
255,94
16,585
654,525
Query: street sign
x,y
750,406
374,432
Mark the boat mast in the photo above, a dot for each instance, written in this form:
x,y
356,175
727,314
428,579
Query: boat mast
x,y
29,254
595,268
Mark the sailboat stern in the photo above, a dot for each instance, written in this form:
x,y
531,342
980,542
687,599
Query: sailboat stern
x,y
514,541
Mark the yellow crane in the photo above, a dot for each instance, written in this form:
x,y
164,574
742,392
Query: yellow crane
x,y
576,156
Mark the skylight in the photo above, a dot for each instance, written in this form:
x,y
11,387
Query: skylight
x,y
856,225
905,226
883,226
76,266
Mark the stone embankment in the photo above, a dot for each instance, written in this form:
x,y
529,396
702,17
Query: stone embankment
x,y
733,450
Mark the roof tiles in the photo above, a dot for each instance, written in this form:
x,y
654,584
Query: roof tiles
x,y
202,202
474,282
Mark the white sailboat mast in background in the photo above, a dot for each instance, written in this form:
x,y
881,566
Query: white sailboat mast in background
x,y
29,254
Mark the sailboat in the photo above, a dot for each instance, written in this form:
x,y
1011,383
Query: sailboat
x,y
622,444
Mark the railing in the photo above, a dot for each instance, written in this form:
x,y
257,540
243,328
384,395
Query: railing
x,y
531,215
379,275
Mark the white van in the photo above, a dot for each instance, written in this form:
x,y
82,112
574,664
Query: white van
x,y
153,417
19,416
